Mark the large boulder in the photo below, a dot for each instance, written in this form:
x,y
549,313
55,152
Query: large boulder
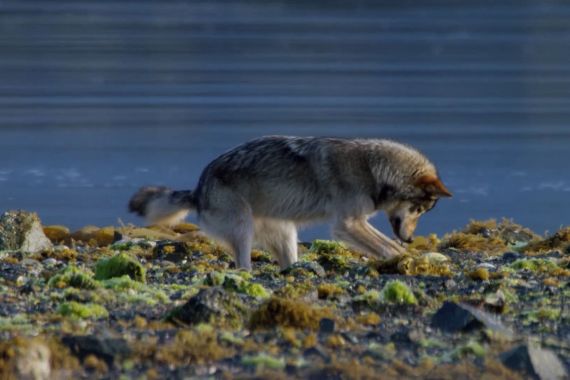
x,y
535,362
22,231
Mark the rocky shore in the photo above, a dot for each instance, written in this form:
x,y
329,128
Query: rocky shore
x,y
488,301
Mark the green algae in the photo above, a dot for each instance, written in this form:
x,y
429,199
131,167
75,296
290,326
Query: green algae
x,y
332,255
78,310
119,265
397,292
263,360
122,283
237,282
71,276
471,347
535,265
18,322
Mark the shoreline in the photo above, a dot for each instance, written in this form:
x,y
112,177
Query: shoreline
x,y
162,302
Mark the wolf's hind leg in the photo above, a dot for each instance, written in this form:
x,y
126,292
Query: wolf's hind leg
x,y
232,225
359,234
279,237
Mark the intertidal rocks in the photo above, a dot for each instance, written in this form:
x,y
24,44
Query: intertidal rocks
x,y
489,301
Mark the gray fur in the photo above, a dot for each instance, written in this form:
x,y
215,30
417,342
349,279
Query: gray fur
x,y
262,190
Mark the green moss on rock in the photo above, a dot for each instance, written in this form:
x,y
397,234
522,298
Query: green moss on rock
x,y
73,277
263,360
534,265
82,310
398,292
237,282
331,255
122,283
120,265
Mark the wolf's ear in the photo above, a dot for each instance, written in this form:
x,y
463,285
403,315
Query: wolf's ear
x,y
433,186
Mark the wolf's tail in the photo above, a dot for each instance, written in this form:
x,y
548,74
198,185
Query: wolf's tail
x,y
161,205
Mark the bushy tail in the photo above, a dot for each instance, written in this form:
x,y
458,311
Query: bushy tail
x,y
161,205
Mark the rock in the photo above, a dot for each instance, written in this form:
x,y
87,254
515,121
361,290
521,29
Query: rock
x,y
326,326
452,317
435,257
107,349
32,362
537,362
209,304
302,267
511,256
22,231
171,250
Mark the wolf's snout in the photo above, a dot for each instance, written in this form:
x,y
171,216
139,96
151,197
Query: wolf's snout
x,y
403,234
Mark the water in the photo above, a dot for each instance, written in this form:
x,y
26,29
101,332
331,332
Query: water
x,y
99,98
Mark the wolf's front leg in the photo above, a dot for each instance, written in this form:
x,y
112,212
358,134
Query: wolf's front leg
x,y
360,235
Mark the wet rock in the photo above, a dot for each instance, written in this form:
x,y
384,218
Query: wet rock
x,y
453,317
22,231
107,349
304,267
326,326
534,361
171,250
208,305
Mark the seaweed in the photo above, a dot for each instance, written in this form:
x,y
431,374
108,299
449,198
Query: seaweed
x,y
288,313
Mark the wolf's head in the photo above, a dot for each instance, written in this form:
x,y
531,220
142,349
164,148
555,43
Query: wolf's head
x,y
404,213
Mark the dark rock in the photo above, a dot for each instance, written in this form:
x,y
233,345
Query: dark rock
x,y
208,304
117,236
107,349
22,231
511,256
452,317
305,266
537,362
326,326
316,351
174,251
401,336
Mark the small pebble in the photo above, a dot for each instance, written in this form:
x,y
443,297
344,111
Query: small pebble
x,y
326,326
49,262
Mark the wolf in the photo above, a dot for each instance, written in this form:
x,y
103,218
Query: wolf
x,y
263,190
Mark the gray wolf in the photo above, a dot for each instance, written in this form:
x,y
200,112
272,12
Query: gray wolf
x,y
260,193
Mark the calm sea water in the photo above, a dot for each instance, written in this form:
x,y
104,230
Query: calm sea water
x,y
99,98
